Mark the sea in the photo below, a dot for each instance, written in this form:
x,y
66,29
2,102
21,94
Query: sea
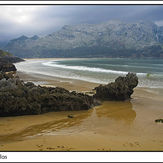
x,y
97,70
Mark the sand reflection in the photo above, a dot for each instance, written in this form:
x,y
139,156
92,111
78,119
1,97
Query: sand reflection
x,y
64,126
117,110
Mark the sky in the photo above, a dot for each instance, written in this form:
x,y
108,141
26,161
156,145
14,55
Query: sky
x,y
29,20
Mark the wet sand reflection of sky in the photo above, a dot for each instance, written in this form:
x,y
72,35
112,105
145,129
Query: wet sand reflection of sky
x,y
106,114
117,110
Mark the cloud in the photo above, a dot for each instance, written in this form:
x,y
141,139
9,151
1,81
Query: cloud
x,y
18,14
45,19
16,19
159,23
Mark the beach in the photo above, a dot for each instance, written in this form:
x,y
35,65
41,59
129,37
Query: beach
x,y
113,126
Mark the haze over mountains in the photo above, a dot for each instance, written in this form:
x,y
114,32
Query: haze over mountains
x,y
141,39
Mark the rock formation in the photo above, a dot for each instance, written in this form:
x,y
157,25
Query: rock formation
x,y
119,90
7,60
19,98
7,67
6,63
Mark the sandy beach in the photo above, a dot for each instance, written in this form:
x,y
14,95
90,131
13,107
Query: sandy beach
x,y
112,126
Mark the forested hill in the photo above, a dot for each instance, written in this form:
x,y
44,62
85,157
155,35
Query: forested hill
x,y
141,39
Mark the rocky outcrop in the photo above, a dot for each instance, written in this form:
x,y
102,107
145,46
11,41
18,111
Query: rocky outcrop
x,y
119,90
19,98
7,60
7,67
10,59
6,63
3,76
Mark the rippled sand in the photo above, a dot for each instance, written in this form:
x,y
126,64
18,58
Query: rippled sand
x,y
112,126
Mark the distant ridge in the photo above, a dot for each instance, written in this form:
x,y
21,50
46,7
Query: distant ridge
x,y
141,39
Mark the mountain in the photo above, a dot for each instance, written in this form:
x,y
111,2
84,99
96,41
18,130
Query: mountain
x,y
3,43
110,39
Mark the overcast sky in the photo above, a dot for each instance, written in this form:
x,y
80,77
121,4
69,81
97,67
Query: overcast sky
x,y
41,20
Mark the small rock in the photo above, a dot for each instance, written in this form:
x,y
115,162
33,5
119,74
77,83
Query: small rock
x,y
159,120
70,116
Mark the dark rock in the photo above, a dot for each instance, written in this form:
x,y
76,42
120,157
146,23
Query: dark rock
x,y
6,62
70,116
119,90
159,120
7,76
19,98
7,67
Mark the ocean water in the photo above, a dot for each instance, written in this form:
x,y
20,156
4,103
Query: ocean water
x,y
102,71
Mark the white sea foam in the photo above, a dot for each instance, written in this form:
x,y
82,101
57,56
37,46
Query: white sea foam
x,y
100,75
83,68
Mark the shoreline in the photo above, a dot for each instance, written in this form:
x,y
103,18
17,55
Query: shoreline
x,y
79,85
113,126
46,80
69,84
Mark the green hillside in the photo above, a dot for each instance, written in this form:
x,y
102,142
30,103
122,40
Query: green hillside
x,y
4,54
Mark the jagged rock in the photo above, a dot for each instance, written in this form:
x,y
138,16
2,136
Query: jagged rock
x,y
121,89
19,98
6,63
7,60
10,58
7,76
7,67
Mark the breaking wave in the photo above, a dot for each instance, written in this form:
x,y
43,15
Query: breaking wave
x,y
84,68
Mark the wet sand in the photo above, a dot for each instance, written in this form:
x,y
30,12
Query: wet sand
x,y
112,126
